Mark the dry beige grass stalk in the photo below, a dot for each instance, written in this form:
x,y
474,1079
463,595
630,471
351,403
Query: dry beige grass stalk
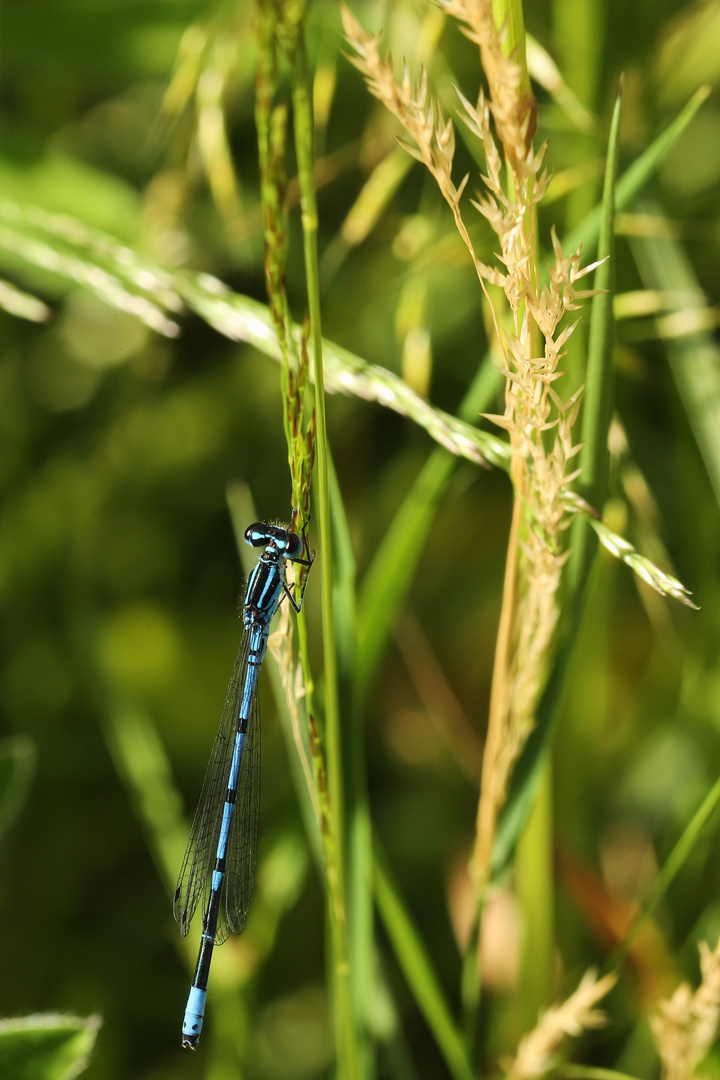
x,y
686,1024
537,1050
538,420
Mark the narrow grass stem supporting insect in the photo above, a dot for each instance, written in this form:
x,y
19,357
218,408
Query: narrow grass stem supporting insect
x,y
345,1026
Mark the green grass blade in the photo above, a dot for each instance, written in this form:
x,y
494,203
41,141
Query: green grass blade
x,y
420,976
594,459
637,175
673,865
123,279
359,845
389,576
46,1047
694,358
598,395
17,302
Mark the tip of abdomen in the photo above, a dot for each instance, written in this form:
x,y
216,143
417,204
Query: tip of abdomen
x,y
193,1019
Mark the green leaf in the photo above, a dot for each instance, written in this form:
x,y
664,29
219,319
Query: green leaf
x,y
17,765
47,1046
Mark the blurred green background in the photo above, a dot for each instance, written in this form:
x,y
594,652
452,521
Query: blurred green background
x,y
119,572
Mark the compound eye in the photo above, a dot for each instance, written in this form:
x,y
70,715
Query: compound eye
x,y
257,534
294,546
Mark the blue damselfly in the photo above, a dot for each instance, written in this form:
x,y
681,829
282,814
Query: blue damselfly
x,y
222,850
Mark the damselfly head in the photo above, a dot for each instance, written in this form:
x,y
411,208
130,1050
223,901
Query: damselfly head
x,y
289,544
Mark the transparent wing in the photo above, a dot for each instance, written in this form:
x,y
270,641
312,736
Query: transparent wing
x,y
197,866
243,839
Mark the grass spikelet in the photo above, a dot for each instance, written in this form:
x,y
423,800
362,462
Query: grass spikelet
x,y
420,115
686,1024
537,1050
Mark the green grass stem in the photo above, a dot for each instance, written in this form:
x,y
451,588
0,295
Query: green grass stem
x,y
510,21
534,878
346,1033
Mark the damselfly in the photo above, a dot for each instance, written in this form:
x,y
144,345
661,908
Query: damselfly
x,y
222,851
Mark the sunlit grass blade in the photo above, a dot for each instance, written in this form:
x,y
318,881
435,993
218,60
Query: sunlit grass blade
x,y
17,302
123,279
78,254
545,71
244,319
49,1045
419,974
594,459
363,215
